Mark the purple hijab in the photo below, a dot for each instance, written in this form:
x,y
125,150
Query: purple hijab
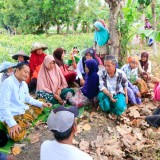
x,y
90,88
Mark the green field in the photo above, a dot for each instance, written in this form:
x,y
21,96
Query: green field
x,y
11,44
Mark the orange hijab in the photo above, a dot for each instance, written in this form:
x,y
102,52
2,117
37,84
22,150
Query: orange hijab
x,y
50,80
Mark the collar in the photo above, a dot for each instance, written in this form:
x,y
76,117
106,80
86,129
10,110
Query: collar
x,y
115,75
16,80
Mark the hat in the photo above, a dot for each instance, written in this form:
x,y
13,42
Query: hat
x,y
110,57
61,118
20,53
3,138
38,45
5,65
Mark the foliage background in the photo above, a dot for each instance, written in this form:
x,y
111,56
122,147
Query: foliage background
x,y
11,44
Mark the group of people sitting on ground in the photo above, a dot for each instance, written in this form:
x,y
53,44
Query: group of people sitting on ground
x,y
101,83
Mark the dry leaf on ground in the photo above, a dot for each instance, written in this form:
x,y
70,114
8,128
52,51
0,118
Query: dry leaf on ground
x,y
133,113
124,129
34,138
86,127
84,146
16,150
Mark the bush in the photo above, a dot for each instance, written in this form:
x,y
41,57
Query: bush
x,y
12,44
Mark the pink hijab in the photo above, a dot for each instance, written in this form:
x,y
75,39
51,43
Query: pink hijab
x,y
50,80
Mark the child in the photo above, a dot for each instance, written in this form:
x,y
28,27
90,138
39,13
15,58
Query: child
x,y
89,91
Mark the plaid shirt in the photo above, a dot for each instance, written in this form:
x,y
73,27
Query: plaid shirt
x,y
115,84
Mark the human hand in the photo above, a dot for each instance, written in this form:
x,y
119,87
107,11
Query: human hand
x,y
47,105
113,100
138,94
58,98
14,130
82,82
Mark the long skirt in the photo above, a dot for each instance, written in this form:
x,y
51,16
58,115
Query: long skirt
x,y
78,99
107,105
132,90
157,92
49,96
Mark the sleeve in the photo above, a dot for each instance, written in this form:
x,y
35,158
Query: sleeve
x,y
140,70
31,100
101,81
149,67
79,69
136,73
5,112
124,80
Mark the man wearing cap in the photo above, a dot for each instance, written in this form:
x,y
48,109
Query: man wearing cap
x,y
14,111
62,123
113,87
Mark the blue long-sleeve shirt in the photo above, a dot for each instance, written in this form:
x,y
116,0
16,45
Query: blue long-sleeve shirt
x,y
13,96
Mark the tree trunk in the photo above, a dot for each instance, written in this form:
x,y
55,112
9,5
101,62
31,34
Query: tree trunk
x,y
58,28
154,25
115,8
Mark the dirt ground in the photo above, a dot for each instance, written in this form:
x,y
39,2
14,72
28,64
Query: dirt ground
x,y
105,137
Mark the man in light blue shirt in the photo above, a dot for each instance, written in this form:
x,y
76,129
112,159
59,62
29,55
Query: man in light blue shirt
x,y
14,96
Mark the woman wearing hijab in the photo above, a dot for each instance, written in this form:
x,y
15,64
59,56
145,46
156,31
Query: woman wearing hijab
x,y
144,66
58,55
89,91
89,54
101,37
51,84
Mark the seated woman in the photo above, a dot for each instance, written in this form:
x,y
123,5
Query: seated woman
x,y
89,54
21,56
37,56
58,55
144,66
36,59
131,71
7,68
51,84
86,94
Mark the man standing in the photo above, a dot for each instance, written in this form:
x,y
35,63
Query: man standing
x,y
14,111
113,87
62,123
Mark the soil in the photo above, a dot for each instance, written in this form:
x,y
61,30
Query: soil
x,y
98,127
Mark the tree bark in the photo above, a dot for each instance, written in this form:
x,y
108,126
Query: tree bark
x,y
154,25
115,8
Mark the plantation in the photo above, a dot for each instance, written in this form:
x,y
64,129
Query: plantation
x,y
11,44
